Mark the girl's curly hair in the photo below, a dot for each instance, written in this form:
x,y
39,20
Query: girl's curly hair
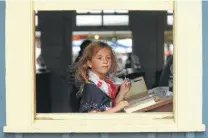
x,y
89,52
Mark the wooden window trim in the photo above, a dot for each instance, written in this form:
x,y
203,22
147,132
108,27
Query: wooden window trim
x,y
20,72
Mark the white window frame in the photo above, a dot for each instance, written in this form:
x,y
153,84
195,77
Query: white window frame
x,y
20,72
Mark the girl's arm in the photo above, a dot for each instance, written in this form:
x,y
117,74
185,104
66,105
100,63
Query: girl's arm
x,y
119,97
118,107
115,109
124,89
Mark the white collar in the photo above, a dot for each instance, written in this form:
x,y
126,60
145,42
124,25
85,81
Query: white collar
x,y
105,87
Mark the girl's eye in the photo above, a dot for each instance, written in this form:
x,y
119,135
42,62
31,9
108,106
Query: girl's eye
x,y
99,58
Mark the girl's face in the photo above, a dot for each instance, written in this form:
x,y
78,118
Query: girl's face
x,y
101,62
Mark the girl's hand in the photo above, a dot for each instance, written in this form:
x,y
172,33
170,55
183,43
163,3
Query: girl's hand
x,y
93,111
121,105
115,109
125,87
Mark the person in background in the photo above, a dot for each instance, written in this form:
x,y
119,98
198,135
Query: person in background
x,y
166,78
99,94
128,61
133,61
84,44
74,85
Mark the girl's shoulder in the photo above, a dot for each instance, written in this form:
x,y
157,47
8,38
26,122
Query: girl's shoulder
x,y
90,86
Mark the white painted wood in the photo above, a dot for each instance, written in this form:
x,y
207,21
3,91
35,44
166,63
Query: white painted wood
x,y
188,63
103,4
20,75
19,63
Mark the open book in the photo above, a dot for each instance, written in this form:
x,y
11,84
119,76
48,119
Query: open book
x,y
139,96
140,105
140,101
138,86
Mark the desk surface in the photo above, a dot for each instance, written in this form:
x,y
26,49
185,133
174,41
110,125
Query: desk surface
x,y
161,106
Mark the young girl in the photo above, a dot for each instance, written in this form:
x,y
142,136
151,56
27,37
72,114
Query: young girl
x,y
99,94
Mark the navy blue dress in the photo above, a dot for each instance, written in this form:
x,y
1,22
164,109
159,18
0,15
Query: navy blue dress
x,y
93,98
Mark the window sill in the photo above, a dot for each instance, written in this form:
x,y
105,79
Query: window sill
x,y
93,129
67,123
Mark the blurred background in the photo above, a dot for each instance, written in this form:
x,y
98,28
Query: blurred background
x,y
142,41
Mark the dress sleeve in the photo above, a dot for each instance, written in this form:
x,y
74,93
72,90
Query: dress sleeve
x,y
91,100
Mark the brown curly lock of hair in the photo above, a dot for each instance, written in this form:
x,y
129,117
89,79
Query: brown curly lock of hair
x,y
90,51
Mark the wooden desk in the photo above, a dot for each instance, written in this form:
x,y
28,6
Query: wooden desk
x,y
160,106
